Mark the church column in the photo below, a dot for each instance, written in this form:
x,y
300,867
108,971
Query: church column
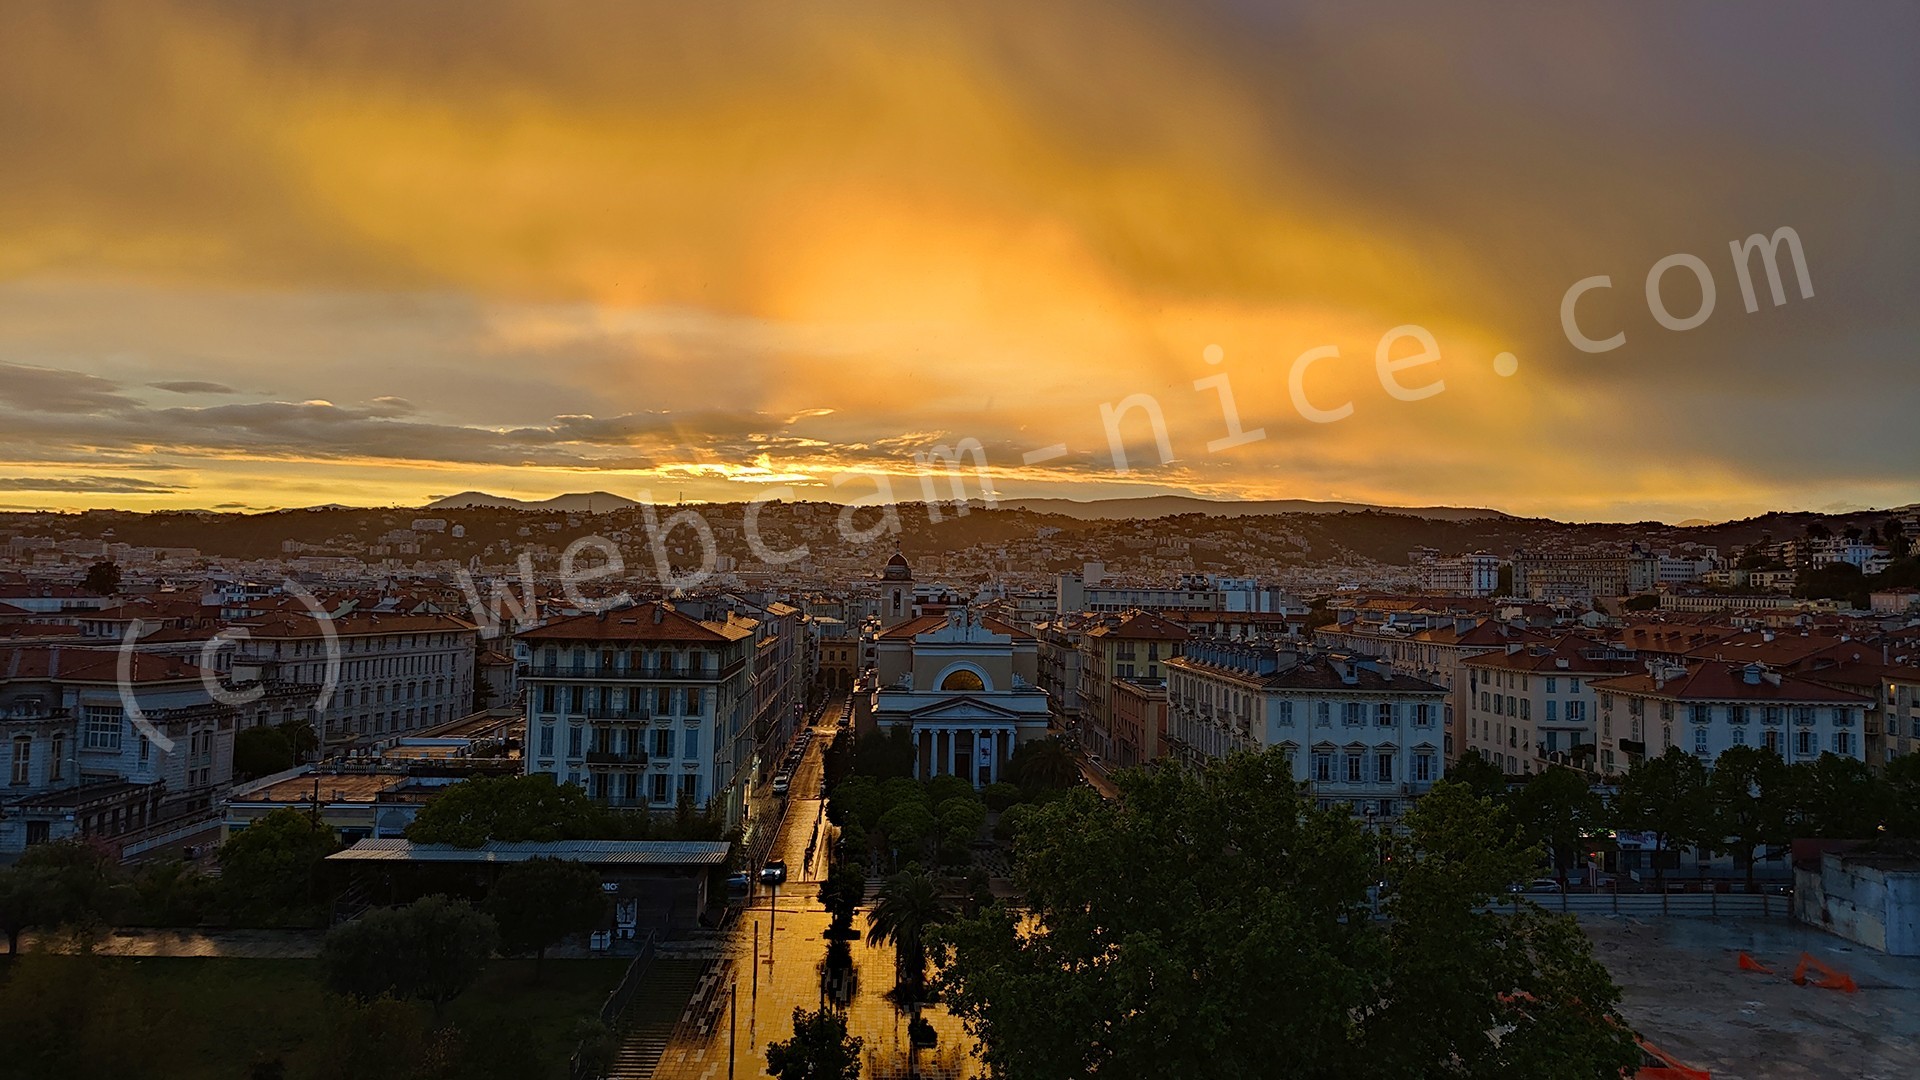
x,y
943,745
993,757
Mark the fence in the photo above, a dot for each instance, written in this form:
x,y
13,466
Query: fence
x,y
579,1067
1649,905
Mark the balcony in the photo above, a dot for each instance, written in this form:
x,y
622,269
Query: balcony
x,y
632,714
633,759
621,671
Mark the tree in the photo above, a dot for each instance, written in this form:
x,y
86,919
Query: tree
x,y
1666,796
908,907
512,808
820,1049
841,894
1750,792
261,751
1557,810
1216,923
431,950
268,870
69,882
301,737
884,754
103,579
1838,798
1818,530
539,902
1040,764
1482,776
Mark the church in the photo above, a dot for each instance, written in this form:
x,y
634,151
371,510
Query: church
x,y
965,686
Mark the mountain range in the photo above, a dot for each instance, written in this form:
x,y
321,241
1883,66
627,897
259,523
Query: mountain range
x,y
1152,506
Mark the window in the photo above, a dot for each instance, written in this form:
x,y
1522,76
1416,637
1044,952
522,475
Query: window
x,y
546,740
547,702
1700,735
574,732
1526,708
1354,713
690,745
1843,743
1553,711
22,760
1573,686
1736,714
693,699
1383,767
1771,740
1576,712
1383,716
659,784
1353,768
1423,767
104,724
690,786
1423,714
663,743
1323,767
1803,743
1700,714
1553,685
57,760
1739,736
1286,714
1325,713
1485,702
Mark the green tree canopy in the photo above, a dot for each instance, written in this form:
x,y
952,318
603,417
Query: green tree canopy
x,y
1751,797
261,751
1217,924
431,950
103,579
1838,797
841,893
539,902
511,808
1558,810
1039,764
820,1049
1666,796
908,908
1479,774
269,870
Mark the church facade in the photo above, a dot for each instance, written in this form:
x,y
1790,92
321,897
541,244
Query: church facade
x,y
966,687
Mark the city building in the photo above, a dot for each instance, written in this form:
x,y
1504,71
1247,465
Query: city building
x,y
1710,706
1130,647
642,706
1533,704
964,687
1353,731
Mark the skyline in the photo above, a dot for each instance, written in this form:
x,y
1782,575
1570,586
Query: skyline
x,y
255,259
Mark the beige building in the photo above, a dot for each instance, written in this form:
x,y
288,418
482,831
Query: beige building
x,y
965,687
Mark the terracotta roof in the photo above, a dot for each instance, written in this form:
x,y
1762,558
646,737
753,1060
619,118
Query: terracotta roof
x,y
1141,626
51,662
302,624
922,624
1711,681
1569,654
652,621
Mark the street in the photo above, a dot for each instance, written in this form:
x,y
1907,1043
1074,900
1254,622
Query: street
x,y
783,929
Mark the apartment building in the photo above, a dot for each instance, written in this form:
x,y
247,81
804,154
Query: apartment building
x,y
101,744
642,706
1130,647
1534,704
1584,576
1355,732
365,677
1712,705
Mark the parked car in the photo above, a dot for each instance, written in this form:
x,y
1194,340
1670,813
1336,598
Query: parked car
x,y
774,872
739,882
1543,885
781,782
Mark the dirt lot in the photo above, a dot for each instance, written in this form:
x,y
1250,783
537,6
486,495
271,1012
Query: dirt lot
x,y
1684,991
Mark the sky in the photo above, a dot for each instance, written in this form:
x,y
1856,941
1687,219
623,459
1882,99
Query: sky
x,y
269,255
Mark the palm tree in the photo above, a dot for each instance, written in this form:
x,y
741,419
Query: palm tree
x,y
908,906
1043,763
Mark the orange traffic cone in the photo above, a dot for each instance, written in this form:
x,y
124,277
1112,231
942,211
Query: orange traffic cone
x,y
1748,963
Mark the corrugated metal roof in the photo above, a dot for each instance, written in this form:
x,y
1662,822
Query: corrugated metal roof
x,y
596,852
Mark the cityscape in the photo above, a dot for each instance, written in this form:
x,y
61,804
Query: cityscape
x,y
620,541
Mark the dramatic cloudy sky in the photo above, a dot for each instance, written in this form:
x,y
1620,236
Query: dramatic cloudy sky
x,y
288,253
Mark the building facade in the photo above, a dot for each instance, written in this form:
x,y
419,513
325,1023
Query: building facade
x,y
642,706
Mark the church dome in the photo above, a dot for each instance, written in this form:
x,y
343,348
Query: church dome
x,y
897,568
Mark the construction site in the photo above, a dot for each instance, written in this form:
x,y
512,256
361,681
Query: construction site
x,y
1764,998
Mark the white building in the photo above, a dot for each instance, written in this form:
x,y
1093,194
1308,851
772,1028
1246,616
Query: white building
x,y
1712,705
1354,732
1533,703
965,687
642,706
369,676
